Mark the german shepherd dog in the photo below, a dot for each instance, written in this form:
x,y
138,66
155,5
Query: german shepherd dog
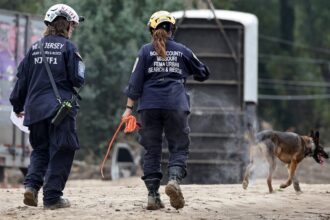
x,y
290,148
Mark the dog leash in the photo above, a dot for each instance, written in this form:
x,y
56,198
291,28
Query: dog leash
x,y
131,125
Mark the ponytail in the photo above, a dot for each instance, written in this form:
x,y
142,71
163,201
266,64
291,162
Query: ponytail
x,y
159,38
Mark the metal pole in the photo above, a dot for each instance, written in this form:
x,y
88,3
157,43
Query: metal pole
x,y
26,38
222,30
13,147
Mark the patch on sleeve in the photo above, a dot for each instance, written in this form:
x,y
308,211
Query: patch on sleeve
x,y
81,69
78,54
135,64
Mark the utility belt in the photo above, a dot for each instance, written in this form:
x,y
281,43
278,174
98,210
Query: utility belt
x,y
169,79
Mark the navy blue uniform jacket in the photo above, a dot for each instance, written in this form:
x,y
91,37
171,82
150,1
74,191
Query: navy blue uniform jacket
x,y
160,83
33,92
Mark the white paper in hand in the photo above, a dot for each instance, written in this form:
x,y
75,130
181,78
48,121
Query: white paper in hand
x,y
18,122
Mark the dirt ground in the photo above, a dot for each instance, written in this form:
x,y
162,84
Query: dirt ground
x,y
126,199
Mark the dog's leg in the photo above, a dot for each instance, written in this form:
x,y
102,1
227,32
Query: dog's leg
x,y
295,181
296,184
291,169
247,174
249,168
288,167
272,166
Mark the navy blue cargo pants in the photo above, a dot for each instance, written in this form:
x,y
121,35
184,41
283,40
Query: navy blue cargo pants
x,y
52,157
174,124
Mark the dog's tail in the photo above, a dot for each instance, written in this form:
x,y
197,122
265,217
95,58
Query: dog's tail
x,y
250,135
251,141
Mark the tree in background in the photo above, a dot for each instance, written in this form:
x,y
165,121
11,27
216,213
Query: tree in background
x,y
27,6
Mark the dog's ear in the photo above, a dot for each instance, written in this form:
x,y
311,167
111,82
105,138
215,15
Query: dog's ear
x,y
317,137
312,134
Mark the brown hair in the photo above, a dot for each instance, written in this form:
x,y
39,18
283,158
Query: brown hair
x,y
159,38
59,26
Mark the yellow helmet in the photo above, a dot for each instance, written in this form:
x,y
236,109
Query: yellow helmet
x,y
160,17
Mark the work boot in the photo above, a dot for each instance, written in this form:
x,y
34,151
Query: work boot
x,y
61,203
30,196
154,201
173,189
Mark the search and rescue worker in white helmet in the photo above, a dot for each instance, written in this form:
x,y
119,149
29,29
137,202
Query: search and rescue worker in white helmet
x,y
158,83
34,98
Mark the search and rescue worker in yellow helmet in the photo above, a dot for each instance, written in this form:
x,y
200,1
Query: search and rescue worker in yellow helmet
x,y
157,83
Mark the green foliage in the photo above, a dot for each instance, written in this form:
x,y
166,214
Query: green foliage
x,y
26,6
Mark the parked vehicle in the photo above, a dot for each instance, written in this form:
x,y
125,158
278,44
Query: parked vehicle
x,y
17,32
223,108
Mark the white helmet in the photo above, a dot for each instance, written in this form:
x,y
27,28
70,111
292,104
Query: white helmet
x,y
64,11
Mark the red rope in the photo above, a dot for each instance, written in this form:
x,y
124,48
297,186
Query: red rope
x,y
131,126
